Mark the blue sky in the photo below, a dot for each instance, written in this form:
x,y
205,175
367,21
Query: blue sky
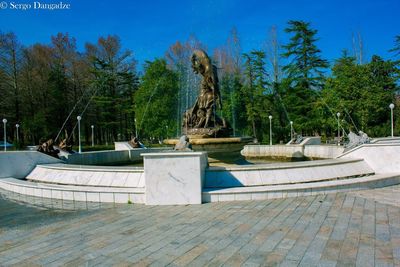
x,y
148,28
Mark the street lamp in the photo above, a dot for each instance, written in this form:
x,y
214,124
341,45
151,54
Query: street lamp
x,y
338,128
135,129
17,127
391,106
270,130
79,133
5,134
291,130
92,126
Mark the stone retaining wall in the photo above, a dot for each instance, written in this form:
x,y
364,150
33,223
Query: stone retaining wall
x,y
18,164
292,151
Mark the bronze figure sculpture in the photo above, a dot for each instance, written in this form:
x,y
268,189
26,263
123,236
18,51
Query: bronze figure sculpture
x,y
201,120
135,143
48,148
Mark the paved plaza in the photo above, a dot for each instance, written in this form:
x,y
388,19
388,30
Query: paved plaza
x,y
344,229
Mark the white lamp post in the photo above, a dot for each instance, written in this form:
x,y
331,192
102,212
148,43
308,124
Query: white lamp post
x,y
79,133
17,127
391,106
338,128
92,126
270,130
135,129
291,130
5,134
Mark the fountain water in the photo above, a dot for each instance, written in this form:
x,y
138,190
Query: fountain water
x,y
205,129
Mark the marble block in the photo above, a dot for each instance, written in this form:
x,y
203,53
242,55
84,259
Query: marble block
x,y
174,178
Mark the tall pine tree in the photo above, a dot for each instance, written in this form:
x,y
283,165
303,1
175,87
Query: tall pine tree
x,y
304,74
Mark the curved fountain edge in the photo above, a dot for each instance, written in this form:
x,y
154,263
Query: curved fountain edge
x,y
173,171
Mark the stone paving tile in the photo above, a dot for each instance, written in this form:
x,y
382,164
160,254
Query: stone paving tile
x,y
345,229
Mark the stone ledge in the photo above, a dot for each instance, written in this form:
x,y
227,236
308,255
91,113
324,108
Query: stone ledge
x,y
19,182
73,167
294,190
74,193
172,153
220,140
289,165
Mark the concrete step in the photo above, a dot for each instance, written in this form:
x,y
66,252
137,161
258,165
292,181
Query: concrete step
x,y
301,189
74,193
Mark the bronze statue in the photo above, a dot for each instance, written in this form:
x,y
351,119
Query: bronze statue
x,y
201,119
65,145
135,143
48,148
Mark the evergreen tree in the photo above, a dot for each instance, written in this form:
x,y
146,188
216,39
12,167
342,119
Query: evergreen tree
x,y
362,93
304,74
254,92
156,101
114,79
396,51
396,48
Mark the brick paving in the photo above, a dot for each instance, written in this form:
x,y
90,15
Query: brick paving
x,y
344,229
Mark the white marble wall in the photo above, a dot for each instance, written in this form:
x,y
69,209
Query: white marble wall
x,y
99,157
284,173
383,158
18,164
297,190
110,157
174,178
313,140
74,193
386,140
122,146
289,151
294,151
323,151
84,176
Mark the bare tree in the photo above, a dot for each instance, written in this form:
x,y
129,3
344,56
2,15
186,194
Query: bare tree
x,y
273,48
10,63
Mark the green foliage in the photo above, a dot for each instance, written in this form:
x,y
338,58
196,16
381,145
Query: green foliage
x,y
115,82
306,66
362,93
255,91
156,101
41,85
304,76
396,48
233,107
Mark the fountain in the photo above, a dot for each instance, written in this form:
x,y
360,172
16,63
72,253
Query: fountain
x,y
201,124
184,176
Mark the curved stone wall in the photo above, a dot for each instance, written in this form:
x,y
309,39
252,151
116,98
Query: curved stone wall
x,y
88,176
292,151
285,173
18,164
382,157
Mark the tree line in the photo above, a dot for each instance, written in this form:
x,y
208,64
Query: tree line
x,y
44,88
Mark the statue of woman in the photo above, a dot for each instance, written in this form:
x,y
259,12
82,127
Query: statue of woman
x,y
205,106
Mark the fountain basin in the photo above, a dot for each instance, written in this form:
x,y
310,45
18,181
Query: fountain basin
x,y
218,149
